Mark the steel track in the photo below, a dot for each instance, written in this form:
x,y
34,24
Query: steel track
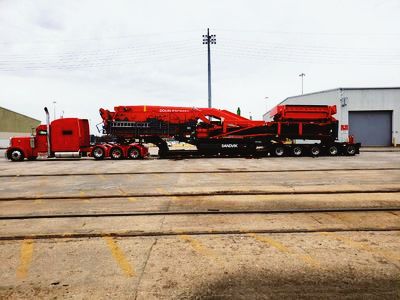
x,y
193,233
218,171
203,194
208,212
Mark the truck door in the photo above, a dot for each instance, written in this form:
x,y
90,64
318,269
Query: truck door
x,y
40,141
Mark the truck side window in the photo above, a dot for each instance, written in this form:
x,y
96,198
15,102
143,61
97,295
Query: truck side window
x,y
67,132
42,132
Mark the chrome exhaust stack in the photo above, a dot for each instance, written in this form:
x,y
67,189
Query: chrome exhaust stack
x,y
48,131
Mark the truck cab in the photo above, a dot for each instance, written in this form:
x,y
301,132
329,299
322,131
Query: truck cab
x,y
28,146
69,137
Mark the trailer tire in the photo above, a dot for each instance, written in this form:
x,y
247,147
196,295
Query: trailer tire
x,y
315,150
16,155
98,153
279,151
333,150
297,151
134,153
350,150
116,153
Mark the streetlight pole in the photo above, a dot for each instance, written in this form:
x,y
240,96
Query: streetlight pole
x,y
209,40
54,103
302,79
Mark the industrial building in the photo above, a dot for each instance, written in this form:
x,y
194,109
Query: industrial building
x,y
14,124
371,115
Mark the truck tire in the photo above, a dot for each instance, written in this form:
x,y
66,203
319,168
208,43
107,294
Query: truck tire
x,y
98,152
279,151
134,153
333,150
116,153
315,150
350,150
297,151
16,155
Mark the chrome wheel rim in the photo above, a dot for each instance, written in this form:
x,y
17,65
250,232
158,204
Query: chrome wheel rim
x,y
16,155
333,150
134,153
351,150
279,151
116,153
98,152
315,150
297,151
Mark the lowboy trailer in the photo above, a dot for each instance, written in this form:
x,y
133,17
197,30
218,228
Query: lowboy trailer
x,y
294,131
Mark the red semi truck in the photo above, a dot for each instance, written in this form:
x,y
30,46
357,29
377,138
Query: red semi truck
x,y
212,131
68,138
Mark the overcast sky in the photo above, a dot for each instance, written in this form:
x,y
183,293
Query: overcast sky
x,y
90,54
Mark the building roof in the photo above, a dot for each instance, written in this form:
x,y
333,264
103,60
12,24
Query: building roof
x,y
344,88
22,115
336,89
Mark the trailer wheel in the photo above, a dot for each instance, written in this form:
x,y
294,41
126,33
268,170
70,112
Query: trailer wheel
x,y
297,150
134,153
315,150
116,153
16,155
333,150
350,150
279,151
98,152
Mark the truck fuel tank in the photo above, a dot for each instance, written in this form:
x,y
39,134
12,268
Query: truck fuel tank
x,y
67,154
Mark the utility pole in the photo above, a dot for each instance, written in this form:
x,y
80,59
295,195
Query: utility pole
x,y
208,40
302,78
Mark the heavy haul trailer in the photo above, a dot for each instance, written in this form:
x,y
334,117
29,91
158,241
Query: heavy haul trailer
x,y
68,138
222,132
212,131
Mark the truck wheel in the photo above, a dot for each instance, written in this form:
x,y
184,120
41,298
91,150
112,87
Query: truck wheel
x,y
16,155
350,150
315,150
98,153
116,153
134,153
297,151
333,150
279,151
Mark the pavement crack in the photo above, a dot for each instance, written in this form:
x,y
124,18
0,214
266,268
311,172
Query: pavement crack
x,y
144,268
316,219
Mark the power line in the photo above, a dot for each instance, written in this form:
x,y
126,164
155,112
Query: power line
x,y
127,36
98,63
182,49
306,58
358,34
263,45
